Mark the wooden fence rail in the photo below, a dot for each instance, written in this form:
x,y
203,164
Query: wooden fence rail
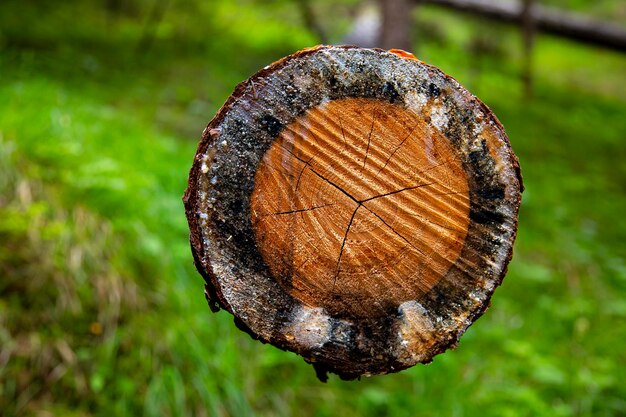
x,y
570,25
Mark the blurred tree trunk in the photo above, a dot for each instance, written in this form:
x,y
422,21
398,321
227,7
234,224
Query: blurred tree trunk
x,y
114,6
154,18
311,21
528,30
395,30
113,9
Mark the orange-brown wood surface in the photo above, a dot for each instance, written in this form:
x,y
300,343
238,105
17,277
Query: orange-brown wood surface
x,y
359,204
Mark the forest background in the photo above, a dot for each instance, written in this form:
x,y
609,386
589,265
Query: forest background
x,y
102,104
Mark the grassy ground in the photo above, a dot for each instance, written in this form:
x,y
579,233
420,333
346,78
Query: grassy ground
x,y
101,312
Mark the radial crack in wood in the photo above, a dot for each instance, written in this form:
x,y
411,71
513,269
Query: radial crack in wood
x,y
355,206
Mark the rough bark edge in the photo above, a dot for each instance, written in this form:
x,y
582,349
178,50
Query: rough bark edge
x,y
214,296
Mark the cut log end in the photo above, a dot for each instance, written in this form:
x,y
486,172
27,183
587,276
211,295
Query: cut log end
x,y
359,206
355,206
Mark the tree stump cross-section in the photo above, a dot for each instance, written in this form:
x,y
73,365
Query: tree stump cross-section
x,y
355,206
358,216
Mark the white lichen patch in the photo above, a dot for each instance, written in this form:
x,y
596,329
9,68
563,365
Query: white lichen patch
x,y
205,163
439,117
309,327
415,101
415,333
478,129
476,297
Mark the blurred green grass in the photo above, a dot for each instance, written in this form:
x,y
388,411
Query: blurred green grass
x,y
102,312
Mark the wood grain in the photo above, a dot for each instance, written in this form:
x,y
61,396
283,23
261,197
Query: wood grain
x,y
355,206
359,205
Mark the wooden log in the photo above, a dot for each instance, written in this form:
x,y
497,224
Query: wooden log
x,y
355,206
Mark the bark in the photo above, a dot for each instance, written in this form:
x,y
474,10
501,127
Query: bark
x,y
355,206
